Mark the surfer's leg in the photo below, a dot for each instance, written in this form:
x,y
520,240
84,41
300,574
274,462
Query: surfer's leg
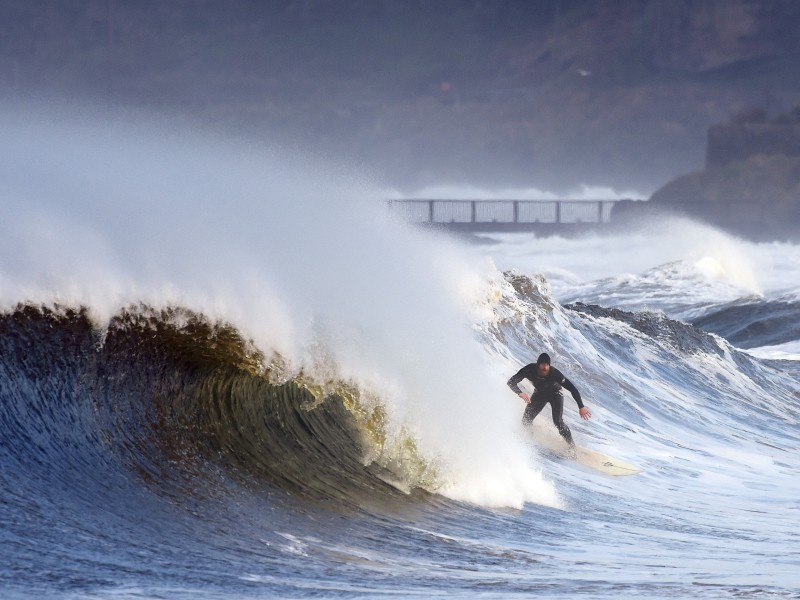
x,y
557,406
534,407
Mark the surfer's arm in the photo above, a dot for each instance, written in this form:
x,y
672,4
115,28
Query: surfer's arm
x,y
568,385
513,383
584,412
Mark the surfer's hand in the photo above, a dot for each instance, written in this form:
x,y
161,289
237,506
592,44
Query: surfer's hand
x,y
525,397
585,414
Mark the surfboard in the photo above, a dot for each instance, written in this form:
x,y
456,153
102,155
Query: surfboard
x,y
598,461
605,463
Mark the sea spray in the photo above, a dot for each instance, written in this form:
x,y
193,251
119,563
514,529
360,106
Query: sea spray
x,y
293,254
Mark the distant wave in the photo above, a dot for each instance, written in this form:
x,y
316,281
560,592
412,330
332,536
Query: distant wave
x,y
671,369
752,324
684,338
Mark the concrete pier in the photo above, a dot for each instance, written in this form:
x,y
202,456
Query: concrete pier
x,y
545,216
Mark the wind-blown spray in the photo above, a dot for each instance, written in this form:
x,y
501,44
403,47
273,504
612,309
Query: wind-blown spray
x,y
297,256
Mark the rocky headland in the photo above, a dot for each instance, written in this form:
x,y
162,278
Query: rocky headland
x,y
750,185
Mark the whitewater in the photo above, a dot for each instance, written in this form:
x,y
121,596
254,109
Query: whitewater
x,y
227,372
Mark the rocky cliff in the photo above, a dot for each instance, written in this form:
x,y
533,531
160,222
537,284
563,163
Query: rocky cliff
x,y
751,184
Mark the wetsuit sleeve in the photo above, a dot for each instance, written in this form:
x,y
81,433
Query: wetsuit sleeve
x,y
513,383
568,385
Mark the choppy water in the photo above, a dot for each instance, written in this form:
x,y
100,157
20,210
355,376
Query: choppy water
x,y
223,378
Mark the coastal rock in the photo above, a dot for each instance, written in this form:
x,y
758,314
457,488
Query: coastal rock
x,y
751,184
758,197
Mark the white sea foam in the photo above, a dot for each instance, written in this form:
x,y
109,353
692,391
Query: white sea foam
x,y
671,266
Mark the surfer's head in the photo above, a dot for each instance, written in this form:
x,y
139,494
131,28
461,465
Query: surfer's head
x,y
543,363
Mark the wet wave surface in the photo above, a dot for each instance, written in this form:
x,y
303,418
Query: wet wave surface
x,y
164,454
755,324
148,449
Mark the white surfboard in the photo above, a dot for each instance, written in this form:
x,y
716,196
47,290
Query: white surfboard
x,y
605,463
591,458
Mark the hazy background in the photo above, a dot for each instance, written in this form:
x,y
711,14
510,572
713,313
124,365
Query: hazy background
x,y
488,93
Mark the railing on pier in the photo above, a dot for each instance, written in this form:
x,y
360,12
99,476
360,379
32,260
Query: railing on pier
x,y
502,213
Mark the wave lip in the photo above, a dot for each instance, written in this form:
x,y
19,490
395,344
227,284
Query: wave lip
x,y
175,406
189,408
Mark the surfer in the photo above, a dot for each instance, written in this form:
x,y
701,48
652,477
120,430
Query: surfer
x,y
547,383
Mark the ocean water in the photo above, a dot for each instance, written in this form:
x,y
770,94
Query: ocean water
x,y
226,373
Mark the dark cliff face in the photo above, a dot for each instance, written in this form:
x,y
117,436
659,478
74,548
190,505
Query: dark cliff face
x,y
493,92
751,183
758,198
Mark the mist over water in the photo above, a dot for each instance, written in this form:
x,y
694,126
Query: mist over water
x,y
296,254
691,258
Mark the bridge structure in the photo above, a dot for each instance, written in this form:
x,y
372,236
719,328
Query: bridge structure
x,y
544,216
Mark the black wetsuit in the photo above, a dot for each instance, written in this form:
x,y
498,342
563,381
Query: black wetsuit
x,y
547,389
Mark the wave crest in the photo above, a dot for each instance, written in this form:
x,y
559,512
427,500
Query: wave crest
x,y
192,407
